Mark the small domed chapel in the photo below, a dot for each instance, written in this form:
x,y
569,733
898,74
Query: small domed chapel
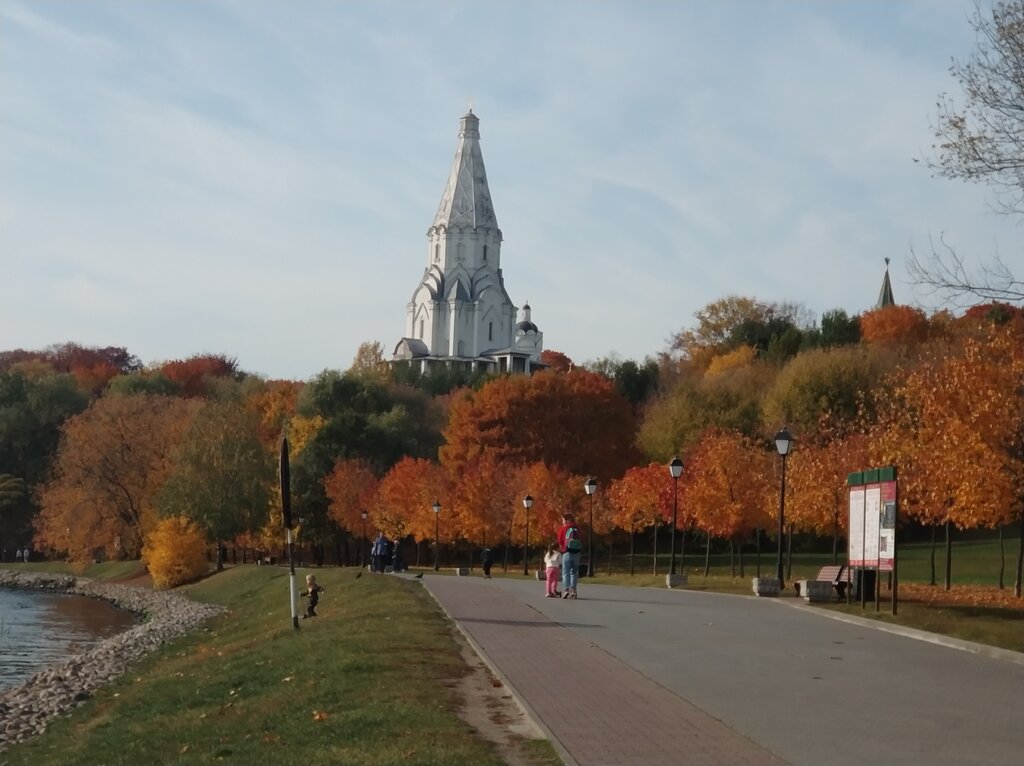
x,y
461,313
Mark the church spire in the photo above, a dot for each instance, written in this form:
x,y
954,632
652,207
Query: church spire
x,y
466,200
885,297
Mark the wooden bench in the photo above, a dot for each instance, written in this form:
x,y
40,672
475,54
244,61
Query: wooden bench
x,y
839,576
830,579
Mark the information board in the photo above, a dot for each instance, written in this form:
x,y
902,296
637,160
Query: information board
x,y
872,539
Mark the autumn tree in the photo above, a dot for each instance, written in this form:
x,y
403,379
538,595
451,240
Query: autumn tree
x,y
112,461
556,360
724,486
575,421
952,427
817,500
194,375
369,362
826,386
894,325
222,474
727,395
351,488
641,499
402,505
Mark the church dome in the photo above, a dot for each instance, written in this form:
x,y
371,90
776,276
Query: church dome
x,y
527,326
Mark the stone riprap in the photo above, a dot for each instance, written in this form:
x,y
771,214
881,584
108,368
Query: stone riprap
x,y
25,710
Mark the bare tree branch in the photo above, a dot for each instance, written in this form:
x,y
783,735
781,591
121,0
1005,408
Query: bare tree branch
x,y
942,274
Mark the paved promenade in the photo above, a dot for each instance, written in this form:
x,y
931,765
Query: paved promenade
x,y
649,677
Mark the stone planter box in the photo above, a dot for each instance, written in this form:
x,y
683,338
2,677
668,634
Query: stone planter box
x,y
816,591
766,586
462,571
675,580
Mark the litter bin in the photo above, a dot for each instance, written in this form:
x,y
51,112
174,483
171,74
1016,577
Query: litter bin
x,y
866,579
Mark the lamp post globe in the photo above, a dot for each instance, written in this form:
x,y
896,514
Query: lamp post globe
x,y
436,507
675,470
590,487
527,504
783,444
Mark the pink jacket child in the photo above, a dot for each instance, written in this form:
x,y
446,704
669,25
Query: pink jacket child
x,y
553,570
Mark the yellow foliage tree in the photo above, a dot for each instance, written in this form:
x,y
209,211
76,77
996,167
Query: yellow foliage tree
x,y
174,552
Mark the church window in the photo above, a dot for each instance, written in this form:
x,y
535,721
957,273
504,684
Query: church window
x,y
437,253
490,331
460,252
485,253
421,329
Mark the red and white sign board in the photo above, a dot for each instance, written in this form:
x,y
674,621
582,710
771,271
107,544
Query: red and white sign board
x,y
872,539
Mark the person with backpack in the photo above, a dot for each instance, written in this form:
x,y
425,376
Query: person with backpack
x,y
570,544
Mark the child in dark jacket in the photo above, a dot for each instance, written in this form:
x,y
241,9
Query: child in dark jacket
x,y
313,591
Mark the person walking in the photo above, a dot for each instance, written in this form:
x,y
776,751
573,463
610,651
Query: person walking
x,y
570,545
486,561
379,552
553,570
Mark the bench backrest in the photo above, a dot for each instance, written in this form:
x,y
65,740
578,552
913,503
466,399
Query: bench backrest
x,y
834,574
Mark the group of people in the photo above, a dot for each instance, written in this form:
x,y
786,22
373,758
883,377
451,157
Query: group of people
x,y
386,553
562,560
19,555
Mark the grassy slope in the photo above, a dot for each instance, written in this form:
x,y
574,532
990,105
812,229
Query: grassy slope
x,y
367,682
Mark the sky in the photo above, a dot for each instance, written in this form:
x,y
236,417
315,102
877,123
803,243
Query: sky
x,y
255,178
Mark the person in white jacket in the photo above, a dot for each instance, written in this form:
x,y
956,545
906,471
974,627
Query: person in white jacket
x,y
553,565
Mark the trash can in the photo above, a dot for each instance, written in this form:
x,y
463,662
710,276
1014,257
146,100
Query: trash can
x,y
866,579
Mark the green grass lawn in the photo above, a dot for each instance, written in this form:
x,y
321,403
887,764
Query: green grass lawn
x,y
370,681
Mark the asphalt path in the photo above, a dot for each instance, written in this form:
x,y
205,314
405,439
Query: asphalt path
x,y
811,689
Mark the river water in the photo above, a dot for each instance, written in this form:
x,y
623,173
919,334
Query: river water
x,y
39,629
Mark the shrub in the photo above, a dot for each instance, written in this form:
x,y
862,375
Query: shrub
x,y
174,552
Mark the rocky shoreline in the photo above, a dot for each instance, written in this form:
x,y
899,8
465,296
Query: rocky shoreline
x,y
25,710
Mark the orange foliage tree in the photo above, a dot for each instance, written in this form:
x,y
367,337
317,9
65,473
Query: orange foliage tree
x,y
953,426
402,505
724,486
640,499
817,495
576,421
894,324
351,488
112,461
193,375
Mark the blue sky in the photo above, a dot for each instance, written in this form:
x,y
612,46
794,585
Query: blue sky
x,y
256,178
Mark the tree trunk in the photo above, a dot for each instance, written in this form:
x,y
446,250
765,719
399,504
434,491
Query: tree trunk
x,y
234,554
949,554
732,557
609,557
742,568
220,557
508,544
1002,559
632,537
1020,558
757,549
682,551
419,549
655,557
932,559
707,556
835,539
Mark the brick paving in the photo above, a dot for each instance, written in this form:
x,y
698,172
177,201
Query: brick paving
x,y
598,709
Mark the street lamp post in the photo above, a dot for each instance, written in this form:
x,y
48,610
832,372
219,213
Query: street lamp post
x,y
591,487
437,535
527,504
783,443
675,469
362,547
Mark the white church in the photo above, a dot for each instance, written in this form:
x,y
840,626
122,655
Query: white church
x,y
461,313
